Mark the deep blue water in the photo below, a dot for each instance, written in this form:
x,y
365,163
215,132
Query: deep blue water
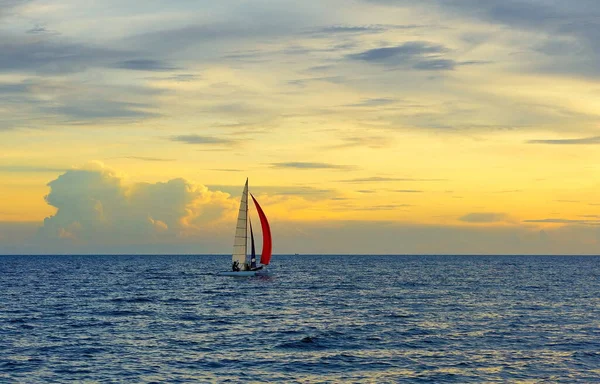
x,y
325,319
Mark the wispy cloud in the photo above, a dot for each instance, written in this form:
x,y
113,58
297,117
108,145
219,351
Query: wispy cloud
x,y
421,55
309,165
373,142
483,217
203,140
582,141
563,221
373,102
151,159
407,191
377,179
399,53
145,65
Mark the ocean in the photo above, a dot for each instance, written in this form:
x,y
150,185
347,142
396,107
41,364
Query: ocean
x,y
317,319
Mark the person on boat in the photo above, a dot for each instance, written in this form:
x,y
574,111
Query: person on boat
x,y
236,266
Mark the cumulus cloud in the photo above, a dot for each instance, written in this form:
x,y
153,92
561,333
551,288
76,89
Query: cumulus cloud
x,y
95,205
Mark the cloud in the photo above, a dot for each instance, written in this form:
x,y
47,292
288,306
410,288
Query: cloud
x,y
38,29
570,29
350,30
151,159
43,102
102,110
582,141
145,65
373,102
377,179
52,56
563,221
407,191
94,206
308,193
484,217
203,140
308,165
399,54
436,65
373,142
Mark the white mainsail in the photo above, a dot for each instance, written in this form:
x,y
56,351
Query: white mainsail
x,y
241,231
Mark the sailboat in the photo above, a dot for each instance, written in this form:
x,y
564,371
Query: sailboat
x,y
243,264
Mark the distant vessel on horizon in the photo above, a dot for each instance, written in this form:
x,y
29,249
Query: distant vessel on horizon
x,y
242,265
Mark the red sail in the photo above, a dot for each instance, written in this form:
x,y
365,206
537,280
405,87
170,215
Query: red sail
x,y
265,257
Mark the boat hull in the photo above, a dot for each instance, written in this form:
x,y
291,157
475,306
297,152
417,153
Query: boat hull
x,y
244,273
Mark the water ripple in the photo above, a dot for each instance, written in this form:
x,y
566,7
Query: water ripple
x,y
414,319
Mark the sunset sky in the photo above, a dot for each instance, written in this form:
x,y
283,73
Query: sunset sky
x,y
373,126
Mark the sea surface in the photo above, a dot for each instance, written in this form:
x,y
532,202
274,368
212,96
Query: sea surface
x,y
317,319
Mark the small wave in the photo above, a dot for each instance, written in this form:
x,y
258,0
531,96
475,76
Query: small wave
x,y
306,343
132,300
125,313
399,315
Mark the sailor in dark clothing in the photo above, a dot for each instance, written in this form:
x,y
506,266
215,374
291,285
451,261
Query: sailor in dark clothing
x,y
236,266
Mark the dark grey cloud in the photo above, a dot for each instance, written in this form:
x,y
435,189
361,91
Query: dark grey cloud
x,y
436,65
26,103
420,55
77,111
582,141
334,30
49,55
202,140
571,27
309,165
145,65
6,88
400,53
38,29
483,217
376,179
351,29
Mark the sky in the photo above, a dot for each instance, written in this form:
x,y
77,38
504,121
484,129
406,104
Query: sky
x,y
364,126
